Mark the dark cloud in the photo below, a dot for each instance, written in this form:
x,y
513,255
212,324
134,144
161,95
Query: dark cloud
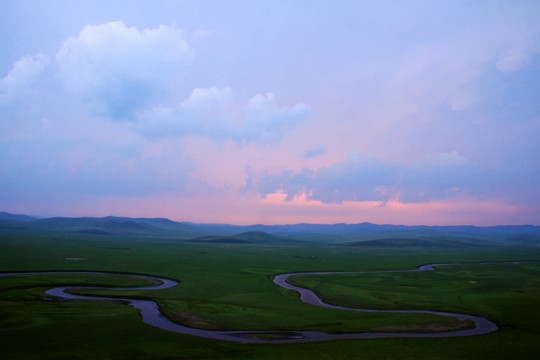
x,y
363,178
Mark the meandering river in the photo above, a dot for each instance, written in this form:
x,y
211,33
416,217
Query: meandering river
x,y
152,315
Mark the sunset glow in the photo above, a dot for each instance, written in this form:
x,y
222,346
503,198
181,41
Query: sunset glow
x,y
272,112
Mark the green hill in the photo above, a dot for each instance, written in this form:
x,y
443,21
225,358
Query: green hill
x,y
221,239
257,236
111,227
362,234
248,237
17,217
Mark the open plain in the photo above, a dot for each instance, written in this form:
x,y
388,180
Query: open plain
x,y
226,286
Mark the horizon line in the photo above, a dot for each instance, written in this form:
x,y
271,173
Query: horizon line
x,y
39,217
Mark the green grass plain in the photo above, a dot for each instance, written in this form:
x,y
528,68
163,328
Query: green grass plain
x,y
228,286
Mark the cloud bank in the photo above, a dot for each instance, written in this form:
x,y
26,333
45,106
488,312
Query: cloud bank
x,y
363,178
97,118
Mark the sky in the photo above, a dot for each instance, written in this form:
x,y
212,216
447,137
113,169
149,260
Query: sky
x,y
272,112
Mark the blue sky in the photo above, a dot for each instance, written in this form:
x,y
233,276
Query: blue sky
x,y
417,112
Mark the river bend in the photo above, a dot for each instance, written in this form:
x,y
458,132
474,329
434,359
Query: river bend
x,y
152,315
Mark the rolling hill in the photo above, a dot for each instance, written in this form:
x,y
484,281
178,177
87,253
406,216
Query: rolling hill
x,y
249,237
362,234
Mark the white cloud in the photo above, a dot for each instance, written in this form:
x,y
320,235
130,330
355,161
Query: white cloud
x,y
204,98
120,68
215,112
22,76
204,112
266,121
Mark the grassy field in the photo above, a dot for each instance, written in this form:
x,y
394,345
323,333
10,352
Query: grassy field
x,y
228,286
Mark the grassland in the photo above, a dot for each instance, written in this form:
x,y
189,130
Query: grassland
x,y
228,286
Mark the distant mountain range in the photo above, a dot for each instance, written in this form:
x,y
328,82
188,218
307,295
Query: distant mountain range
x,y
362,234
